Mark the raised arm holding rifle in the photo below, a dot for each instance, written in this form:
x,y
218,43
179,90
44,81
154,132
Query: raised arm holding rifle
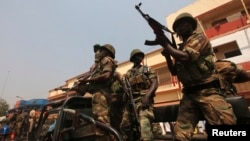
x,y
195,68
158,30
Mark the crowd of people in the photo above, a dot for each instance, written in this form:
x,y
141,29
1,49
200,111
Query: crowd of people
x,y
20,122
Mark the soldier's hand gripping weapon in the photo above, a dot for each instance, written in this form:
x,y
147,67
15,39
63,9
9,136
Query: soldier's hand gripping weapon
x,y
156,26
129,92
80,86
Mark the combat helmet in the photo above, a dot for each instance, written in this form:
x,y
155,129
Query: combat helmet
x,y
134,52
185,17
110,48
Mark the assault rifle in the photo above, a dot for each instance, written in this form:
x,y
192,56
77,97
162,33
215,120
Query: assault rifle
x,y
129,92
87,75
80,90
156,26
79,86
159,31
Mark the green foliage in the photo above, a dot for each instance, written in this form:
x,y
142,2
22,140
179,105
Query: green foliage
x,y
4,106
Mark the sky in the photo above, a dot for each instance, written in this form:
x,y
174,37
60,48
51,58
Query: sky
x,y
43,43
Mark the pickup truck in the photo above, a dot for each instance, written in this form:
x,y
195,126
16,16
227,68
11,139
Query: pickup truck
x,y
71,120
68,120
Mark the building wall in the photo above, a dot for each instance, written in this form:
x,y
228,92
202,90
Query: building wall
x,y
242,38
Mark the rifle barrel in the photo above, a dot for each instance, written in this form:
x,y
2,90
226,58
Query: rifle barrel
x,y
130,94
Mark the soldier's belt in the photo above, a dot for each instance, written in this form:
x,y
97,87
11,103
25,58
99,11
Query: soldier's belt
x,y
212,84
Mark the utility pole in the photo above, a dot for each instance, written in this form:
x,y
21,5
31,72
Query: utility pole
x,y
4,85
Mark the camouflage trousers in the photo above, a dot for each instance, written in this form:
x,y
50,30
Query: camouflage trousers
x,y
157,129
207,103
116,109
18,129
100,109
145,117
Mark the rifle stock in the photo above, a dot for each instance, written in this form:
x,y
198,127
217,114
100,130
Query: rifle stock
x,y
132,103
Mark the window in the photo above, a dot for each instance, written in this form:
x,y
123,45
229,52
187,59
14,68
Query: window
x,y
232,53
227,50
164,75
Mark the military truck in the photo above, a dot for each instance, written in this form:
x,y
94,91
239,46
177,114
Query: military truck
x,y
69,120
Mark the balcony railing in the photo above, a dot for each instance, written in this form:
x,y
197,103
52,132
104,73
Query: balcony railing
x,y
226,27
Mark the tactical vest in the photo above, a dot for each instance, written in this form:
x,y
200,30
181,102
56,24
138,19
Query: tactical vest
x,y
139,80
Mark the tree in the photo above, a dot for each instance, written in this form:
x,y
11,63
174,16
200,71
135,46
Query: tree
x,y
4,106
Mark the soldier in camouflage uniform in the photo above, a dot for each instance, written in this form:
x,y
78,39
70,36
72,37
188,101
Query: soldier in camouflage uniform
x,y
144,84
232,73
19,123
195,68
116,104
100,86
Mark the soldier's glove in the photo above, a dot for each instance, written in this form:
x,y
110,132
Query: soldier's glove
x,y
145,102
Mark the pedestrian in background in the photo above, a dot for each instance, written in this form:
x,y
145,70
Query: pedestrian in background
x,y
19,123
32,118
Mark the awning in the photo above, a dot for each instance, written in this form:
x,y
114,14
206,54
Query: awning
x,y
36,102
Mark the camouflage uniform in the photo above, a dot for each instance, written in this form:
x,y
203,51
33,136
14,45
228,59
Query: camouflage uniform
x,y
231,73
157,129
116,104
116,92
101,90
140,78
19,123
202,86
